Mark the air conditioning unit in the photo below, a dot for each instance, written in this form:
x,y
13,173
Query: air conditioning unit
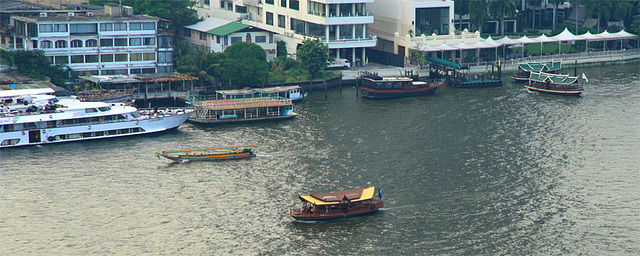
x,y
43,14
71,14
89,14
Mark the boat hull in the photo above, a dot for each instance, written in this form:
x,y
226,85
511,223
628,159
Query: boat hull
x,y
95,130
476,84
394,94
337,214
556,92
217,157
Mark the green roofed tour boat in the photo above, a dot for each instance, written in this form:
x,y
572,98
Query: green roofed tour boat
x,y
556,84
333,205
457,75
536,67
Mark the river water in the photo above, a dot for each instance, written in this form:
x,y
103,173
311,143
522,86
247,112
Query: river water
x,y
497,171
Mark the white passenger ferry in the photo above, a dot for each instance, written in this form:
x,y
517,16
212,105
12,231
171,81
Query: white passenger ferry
x,y
33,117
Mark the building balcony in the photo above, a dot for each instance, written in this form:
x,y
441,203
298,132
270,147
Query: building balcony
x,y
358,42
341,18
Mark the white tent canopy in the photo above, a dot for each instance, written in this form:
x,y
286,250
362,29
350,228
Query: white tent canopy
x,y
565,36
463,46
482,45
543,39
444,47
623,35
506,41
590,37
491,42
525,40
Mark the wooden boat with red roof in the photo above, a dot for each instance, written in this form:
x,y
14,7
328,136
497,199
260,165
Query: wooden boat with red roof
x,y
333,205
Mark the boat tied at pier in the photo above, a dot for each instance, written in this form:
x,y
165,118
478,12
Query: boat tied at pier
x,y
374,86
242,110
556,84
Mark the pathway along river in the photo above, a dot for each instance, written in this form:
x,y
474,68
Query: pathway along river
x,y
497,171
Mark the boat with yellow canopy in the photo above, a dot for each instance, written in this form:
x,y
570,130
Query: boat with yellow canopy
x,y
209,154
332,205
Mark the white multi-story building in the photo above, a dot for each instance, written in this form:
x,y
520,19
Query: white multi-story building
x,y
215,35
342,24
112,42
409,17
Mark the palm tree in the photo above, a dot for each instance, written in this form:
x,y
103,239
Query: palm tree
x,y
461,8
599,8
500,9
479,15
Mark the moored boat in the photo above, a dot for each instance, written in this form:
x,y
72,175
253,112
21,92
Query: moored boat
x,y
209,154
242,110
293,92
333,205
377,87
33,119
527,68
555,84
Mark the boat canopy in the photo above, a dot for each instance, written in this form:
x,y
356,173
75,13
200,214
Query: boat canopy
x,y
541,66
207,149
24,92
552,78
334,198
446,63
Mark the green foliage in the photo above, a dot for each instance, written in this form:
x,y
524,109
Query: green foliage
x,y
179,12
313,56
635,25
245,64
197,62
281,49
35,65
479,15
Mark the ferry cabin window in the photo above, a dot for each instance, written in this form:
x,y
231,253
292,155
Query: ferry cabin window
x,y
90,110
73,136
87,135
96,134
8,142
112,132
104,109
135,114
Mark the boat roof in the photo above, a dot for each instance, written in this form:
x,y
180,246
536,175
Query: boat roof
x,y
205,149
244,103
552,78
24,92
541,66
334,198
446,63
277,89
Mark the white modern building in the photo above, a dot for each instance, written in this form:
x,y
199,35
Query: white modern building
x,y
409,17
217,34
111,42
342,24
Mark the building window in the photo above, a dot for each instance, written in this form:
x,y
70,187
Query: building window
x,y
121,57
164,42
46,28
46,44
59,60
281,21
230,6
106,27
149,41
61,44
148,26
165,57
91,43
222,4
120,42
135,57
235,39
77,59
269,18
60,28
135,26
261,39
241,9
203,36
120,26
84,28
148,70
294,4
187,32
106,42
135,42
91,58
76,44
149,56
106,58
283,3
269,1
319,9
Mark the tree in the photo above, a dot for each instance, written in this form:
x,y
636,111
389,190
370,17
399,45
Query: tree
x,y
480,14
35,65
461,8
555,10
179,12
281,49
500,9
598,8
313,56
635,25
245,64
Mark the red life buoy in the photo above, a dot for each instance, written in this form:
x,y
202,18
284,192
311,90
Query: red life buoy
x,y
89,127
50,116
137,122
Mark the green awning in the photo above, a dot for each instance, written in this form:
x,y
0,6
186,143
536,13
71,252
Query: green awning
x,y
446,63
227,29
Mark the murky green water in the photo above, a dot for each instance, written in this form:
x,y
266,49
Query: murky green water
x,y
497,171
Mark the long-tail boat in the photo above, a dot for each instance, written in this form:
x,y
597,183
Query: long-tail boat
x,y
209,154
555,84
333,205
